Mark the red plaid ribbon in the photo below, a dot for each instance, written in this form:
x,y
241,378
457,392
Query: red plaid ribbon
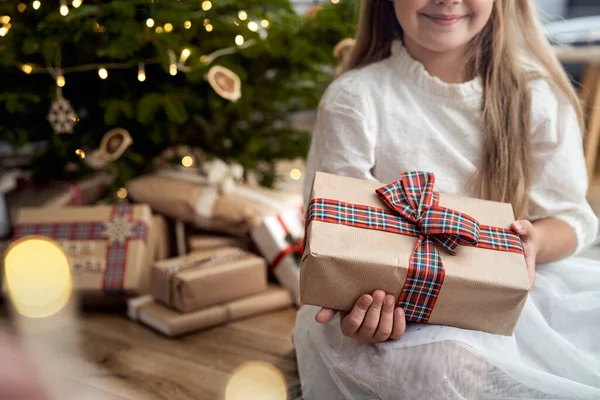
x,y
295,248
414,210
116,251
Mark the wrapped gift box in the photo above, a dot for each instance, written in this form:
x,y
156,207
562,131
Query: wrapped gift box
x,y
203,241
205,278
59,194
107,246
172,323
279,240
229,207
448,260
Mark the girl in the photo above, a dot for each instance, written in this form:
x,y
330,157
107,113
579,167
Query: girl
x,y
471,91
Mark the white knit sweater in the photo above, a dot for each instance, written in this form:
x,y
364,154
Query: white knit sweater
x,y
392,116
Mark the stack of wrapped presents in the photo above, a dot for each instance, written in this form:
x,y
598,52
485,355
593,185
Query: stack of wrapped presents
x,y
185,250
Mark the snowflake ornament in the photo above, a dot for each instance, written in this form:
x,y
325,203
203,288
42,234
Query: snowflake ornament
x,y
62,117
118,229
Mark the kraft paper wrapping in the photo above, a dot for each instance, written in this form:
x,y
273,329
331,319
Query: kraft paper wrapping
x,y
161,239
483,289
230,208
158,249
200,242
205,278
88,258
172,323
58,194
270,239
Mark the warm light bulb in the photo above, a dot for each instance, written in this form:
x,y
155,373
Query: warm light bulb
x,y
187,24
149,22
122,193
295,174
27,68
185,53
37,277
5,19
22,7
206,21
80,153
103,73
173,69
206,5
239,40
187,161
168,27
37,4
141,72
242,15
253,26
264,23
208,28
64,10
335,1
3,31
159,29
203,59
77,3
60,81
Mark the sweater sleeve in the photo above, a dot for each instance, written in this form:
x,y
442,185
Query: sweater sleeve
x,y
560,179
343,141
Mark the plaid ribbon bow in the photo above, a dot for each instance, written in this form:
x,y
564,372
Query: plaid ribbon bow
x,y
413,197
414,210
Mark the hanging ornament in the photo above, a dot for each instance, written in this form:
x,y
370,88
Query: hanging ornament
x,y
61,116
113,145
342,50
225,82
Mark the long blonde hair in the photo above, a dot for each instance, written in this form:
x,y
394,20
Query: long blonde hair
x,y
509,52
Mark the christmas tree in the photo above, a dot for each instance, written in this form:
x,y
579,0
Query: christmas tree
x,y
223,76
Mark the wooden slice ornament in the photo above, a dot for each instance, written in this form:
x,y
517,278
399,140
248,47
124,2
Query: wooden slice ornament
x,y
225,82
114,143
112,146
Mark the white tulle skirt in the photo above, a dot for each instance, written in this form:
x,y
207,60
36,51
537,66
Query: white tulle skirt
x,y
554,353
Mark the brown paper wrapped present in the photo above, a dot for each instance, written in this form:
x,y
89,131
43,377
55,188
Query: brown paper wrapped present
x,y
228,207
59,194
448,260
172,323
205,278
203,241
107,246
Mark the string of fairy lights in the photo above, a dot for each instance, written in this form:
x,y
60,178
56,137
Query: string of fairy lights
x,y
176,62
175,65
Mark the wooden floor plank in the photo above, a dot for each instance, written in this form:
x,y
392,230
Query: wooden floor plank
x,y
129,361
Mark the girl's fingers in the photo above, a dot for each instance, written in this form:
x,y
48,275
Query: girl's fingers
x,y
399,324
371,321
523,227
325,315
352,322
386,322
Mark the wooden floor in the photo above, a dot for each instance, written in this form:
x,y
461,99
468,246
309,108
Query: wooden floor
x,y
129,361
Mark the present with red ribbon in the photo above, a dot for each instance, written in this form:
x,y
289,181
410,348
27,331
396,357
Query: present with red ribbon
x,y
108,247
279,239
449,260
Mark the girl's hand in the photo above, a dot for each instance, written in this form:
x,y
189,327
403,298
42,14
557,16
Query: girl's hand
x,y
527,231
373,319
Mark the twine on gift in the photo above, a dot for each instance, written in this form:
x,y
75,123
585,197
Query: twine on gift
x,y
413,209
